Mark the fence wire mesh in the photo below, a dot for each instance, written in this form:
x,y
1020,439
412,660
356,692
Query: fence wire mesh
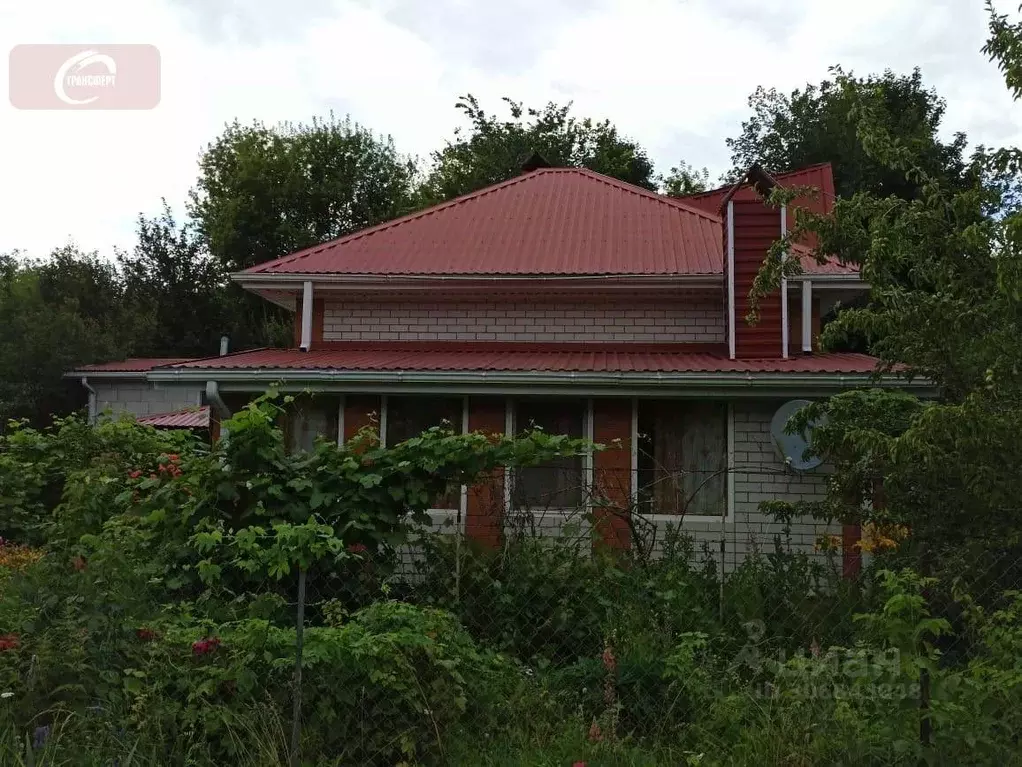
x,y
671,634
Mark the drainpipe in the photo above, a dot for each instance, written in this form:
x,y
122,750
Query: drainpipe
x,y
215,400
92,399
217,405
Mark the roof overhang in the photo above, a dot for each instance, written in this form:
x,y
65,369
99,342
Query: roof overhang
x,y
472,283
649,384
77,375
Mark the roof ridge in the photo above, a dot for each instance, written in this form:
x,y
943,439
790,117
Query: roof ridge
x,y
408,217
214,357
639,191
777,177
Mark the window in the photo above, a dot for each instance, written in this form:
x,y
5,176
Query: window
x,y
560,483
682,457
312,417
408,417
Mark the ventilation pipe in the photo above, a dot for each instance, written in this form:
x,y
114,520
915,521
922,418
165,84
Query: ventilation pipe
x,y
225,342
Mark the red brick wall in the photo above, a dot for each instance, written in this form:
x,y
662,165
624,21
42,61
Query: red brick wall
x,y
612,469
484,512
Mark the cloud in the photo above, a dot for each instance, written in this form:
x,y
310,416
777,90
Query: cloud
x,y
674,76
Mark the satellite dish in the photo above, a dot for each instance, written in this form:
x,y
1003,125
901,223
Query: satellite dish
x,y
792,447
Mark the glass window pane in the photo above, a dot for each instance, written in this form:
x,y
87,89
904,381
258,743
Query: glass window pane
x,y
556,484
312,417
682,457
408,417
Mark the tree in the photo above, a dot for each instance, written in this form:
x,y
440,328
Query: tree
x,y
55,315
175,288
267,192
950,467
493,150
685,179
819,124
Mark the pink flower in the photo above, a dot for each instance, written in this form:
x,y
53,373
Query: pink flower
x,y
579,764
9,642
203,646
594,733
609,661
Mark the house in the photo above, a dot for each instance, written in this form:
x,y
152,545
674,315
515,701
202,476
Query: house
x,y
575,302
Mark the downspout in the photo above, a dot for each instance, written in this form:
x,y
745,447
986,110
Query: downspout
x,y
217,405
92,399
215,400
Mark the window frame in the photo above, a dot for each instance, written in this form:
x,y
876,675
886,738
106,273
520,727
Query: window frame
x,y
728,515
439,514
515,426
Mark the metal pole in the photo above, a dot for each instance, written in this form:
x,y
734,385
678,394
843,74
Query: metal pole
x,y
296,723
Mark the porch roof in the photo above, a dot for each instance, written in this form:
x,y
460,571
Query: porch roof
x,y
539,358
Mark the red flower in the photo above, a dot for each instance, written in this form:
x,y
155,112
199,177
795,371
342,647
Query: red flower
x,y
203,646
78,563
147,634
594,733
136,474
174,458
357,548
9,642
579,764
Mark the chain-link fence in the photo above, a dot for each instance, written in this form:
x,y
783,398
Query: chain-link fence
x,y
631,626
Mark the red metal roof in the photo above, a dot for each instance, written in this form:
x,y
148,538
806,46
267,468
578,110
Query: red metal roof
x,y
191,418
819,176
131,365
406,357
552,221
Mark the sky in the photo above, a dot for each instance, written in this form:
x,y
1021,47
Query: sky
x,y
675,75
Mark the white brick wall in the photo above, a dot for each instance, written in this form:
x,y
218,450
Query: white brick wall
x,y
140,398
688,320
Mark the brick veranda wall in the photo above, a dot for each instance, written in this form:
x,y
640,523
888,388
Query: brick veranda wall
x,y
759,475
693,319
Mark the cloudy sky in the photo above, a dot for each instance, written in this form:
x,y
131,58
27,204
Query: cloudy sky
x,y
673,74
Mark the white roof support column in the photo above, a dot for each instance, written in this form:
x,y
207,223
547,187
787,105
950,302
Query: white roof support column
x,y
306,316
731,278
784,288
807,316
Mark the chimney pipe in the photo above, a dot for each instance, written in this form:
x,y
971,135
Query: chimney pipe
x,y
224,342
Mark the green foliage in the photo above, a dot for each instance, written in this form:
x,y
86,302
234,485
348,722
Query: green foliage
x,y
267,192
175,289
69,473
54,315
493,150
817,124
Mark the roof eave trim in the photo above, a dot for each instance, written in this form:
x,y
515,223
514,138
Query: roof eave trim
x,y
76,374
737,380
286,279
